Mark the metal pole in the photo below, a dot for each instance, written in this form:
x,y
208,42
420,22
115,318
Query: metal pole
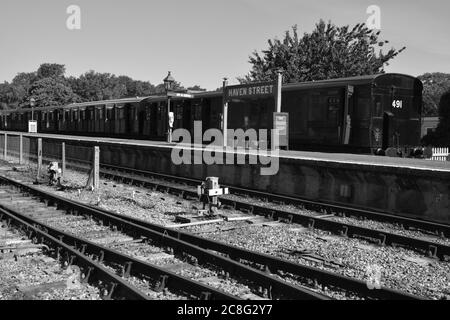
x,y
5,150
225,114
20,149
63,159
169,129
279,85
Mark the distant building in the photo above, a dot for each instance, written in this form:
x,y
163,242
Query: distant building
x,y
429,124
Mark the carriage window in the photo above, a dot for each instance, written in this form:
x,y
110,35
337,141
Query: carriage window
x,y
120,113
148,113
160,112
198,111
179,112
110,114
316,109
333,109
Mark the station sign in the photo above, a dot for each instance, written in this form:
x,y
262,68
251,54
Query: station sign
x,y
251,90
281,122
32,126
180,95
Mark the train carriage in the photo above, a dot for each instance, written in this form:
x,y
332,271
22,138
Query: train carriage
x,y
375,113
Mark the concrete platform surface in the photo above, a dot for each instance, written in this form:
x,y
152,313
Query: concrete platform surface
x,y
344,158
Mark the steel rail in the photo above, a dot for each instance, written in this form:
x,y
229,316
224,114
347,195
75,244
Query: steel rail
x,y
130,266
271,263
274,286
441,229
274,264
429,248
92,271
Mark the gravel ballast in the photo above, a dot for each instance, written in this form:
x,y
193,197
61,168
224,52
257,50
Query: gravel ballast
x,y
399,268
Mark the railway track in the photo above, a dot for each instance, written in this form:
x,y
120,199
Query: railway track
x,y
83,235
381,237
230,259
27,272
188,188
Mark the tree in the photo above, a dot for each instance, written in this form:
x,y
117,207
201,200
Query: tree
x,y
328,52
49,86
50,70
7,96
196,88
161,89
93,86
434,86
141,89
136,88
443,129
21,86
50,92
441,136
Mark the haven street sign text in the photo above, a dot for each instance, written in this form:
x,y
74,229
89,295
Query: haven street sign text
x,y
252,90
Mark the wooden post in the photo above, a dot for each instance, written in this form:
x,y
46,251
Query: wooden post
x,y
20,149
225,114
96,167
94,175
5,149
39,154
63,160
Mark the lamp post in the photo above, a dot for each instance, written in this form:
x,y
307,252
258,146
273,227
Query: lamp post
x,y
168,85
32,104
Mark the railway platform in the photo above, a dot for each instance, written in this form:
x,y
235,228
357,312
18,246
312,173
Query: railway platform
x,y
410,187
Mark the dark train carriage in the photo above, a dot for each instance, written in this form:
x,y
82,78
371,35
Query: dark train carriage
x,y
116,118
251,114
360,114
397,108
207,108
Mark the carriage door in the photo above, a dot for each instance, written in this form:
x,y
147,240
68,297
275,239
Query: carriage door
x,y
388,130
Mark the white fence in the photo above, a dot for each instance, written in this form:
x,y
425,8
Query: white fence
x,y
440,154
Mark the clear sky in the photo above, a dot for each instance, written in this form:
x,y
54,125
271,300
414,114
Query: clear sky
x,y
201,41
